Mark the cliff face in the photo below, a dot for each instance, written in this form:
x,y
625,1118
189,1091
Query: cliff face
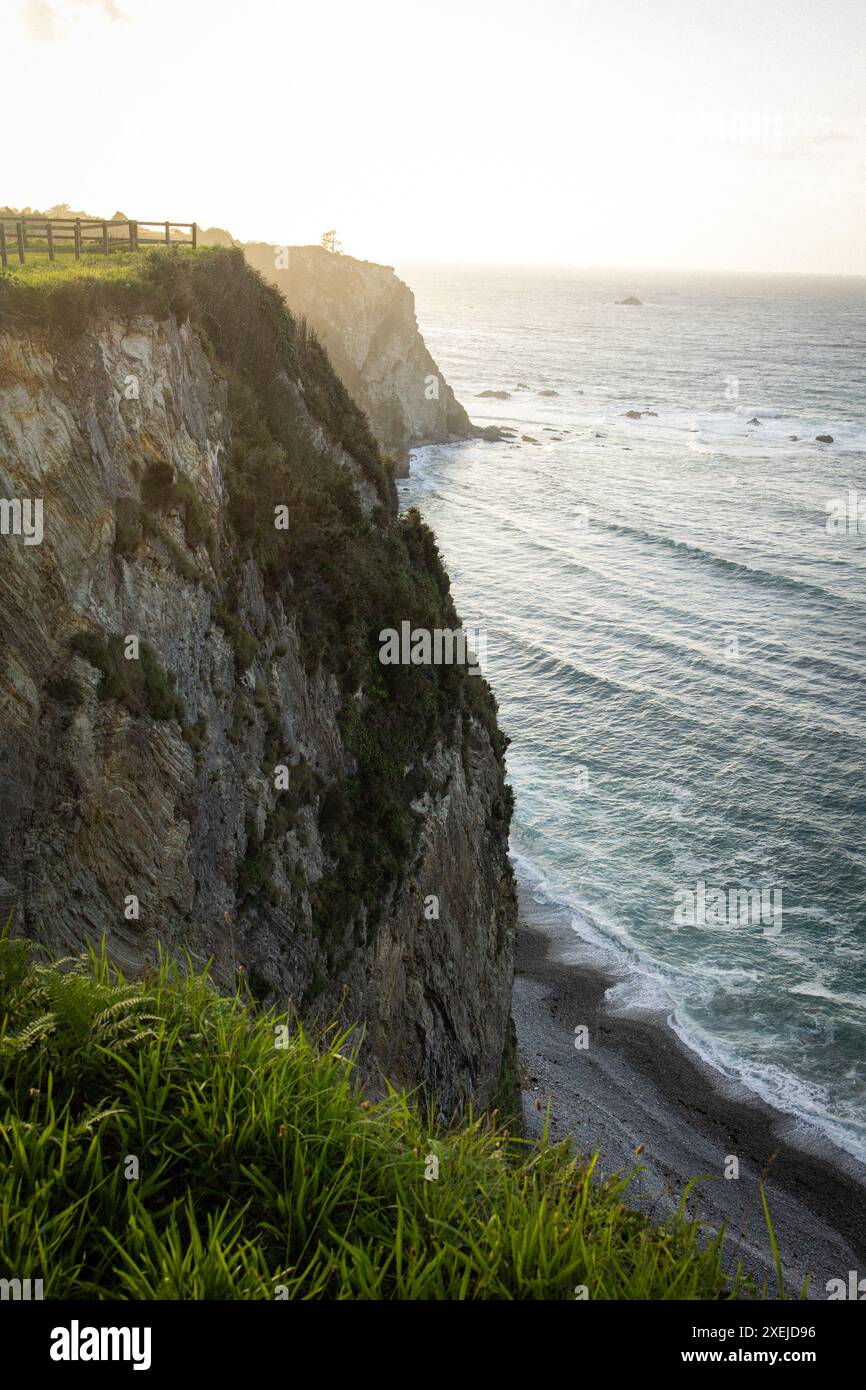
x,y
365,317
252,786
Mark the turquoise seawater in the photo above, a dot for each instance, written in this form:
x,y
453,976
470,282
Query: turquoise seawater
x,y
674,612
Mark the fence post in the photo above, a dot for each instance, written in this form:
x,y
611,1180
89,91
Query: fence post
x,y
19,228
4,256
167,234
133,236
49,232
105,238
78,238
194,236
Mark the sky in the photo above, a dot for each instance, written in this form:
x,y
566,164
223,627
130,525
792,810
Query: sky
x,y
683,134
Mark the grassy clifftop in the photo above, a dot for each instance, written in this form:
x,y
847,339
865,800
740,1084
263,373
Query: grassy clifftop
x,y
213,287
160,1141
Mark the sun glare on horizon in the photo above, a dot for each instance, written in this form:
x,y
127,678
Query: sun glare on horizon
x,y
617,134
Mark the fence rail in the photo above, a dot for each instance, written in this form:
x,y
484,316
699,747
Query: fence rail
x,y
23,236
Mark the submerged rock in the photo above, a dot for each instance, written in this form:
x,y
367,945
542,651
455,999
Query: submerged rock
x,y
630,299
495,434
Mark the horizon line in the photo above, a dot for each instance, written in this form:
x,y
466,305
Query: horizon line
x,y
625,270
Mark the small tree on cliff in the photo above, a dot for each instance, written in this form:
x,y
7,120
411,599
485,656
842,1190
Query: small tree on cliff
x,y
330,242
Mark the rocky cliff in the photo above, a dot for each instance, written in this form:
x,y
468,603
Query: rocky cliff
x,y
199,747
365,317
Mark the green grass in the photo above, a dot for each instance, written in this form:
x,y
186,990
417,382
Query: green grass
x,y
264,1172
121,266
65,295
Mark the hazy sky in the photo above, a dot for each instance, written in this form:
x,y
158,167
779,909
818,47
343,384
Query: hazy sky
x,y
681,133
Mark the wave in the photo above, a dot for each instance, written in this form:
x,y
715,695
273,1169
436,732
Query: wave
x,y
608,652
640,987
776,425
676,698
721,562
815,990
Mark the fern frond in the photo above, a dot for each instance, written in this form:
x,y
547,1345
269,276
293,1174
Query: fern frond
x,y
39,1028
128,1003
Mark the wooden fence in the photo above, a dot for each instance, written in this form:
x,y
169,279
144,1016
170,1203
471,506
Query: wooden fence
x,y
23,236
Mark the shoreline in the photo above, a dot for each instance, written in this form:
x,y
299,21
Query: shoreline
x,y
637,1083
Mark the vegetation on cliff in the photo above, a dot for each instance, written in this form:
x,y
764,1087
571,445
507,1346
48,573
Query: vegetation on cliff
x,y
160,1141
341,571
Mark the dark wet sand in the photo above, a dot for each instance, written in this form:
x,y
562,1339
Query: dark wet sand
x,y
637,1083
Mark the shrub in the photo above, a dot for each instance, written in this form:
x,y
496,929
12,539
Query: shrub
x,y
65,690
127,529
196,522
240,717
180,560
160,494
196,734
256,868
245,646
142,685
157,487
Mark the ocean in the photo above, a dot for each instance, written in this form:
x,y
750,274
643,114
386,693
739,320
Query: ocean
x,y
673,609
